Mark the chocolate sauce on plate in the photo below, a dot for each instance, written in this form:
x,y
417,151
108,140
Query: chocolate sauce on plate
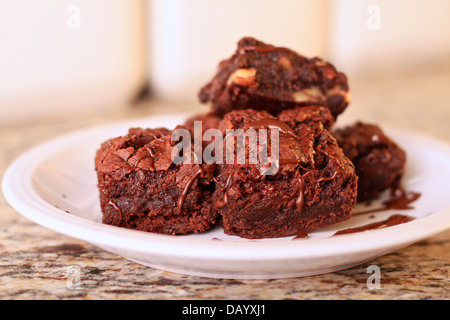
x,y
391,221
301,235
400,200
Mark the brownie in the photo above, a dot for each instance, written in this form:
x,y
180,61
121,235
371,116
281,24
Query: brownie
x,y
314,184
142,188
264,77
378,160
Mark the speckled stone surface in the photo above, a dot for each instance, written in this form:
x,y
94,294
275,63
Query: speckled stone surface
x,y
37,263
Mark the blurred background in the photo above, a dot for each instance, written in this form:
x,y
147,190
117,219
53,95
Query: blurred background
x,y
68,58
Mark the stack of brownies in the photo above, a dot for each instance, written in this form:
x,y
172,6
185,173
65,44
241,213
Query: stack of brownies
x,y
321,172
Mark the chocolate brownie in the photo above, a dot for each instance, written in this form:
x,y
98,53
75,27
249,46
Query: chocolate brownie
x,y
378,160
264,77
314,184
142,188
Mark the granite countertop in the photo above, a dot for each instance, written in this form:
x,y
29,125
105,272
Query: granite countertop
x,y
37,263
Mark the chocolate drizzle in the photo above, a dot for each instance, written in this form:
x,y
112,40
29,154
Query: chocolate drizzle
x,y
117,208
271,124
150,155
327,178
287,130
284,128
186,189
301,196
391,221
332,156
400,200
222,203
300,202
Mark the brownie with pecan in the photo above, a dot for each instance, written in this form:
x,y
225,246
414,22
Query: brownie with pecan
x,y
264,77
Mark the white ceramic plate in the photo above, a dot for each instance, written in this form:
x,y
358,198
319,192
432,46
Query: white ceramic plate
x,y
55,186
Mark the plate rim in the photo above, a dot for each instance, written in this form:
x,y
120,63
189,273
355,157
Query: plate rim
x,y
29,204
